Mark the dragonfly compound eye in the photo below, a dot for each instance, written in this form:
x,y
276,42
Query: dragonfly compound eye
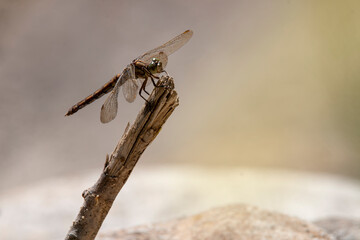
x,y
155,66
159,67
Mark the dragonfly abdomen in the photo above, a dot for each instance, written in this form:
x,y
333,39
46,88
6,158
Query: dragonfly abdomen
x,y
107,87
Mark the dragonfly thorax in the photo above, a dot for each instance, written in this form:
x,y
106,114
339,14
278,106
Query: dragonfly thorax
x,y
155,66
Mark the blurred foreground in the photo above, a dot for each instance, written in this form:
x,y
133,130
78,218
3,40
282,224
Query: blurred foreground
x,y
161,193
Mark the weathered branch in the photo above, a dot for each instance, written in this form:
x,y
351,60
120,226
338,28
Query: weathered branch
x,y
99,198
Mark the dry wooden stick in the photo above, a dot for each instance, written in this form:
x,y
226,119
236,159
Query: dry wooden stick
x,y
99,198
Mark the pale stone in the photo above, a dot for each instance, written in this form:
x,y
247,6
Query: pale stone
x,y
234,222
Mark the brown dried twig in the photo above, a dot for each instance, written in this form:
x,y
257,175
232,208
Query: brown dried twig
x,y
99,198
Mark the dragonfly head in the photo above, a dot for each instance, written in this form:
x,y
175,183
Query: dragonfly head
x,y
155,66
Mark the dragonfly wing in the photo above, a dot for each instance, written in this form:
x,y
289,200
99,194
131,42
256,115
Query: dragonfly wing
x,y
167,48
130,89
110,106
130,85
163,59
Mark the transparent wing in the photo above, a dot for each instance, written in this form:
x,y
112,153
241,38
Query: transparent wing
x,y
130,85
163,59
167,48
130,89
109,108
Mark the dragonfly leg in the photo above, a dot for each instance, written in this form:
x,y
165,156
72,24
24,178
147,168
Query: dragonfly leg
x,y
152,76
144,84
146,91
155,84
153,81
142,88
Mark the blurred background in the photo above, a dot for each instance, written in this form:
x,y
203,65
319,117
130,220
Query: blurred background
x,y
262,85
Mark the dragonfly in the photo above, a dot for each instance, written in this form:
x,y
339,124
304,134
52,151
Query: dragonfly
x,y
134,78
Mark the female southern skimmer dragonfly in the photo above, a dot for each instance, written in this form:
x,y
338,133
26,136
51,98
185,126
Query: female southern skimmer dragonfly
x,y
136,74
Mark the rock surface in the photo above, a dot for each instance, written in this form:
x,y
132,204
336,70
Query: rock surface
x,y
159,193
240,222
341,228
